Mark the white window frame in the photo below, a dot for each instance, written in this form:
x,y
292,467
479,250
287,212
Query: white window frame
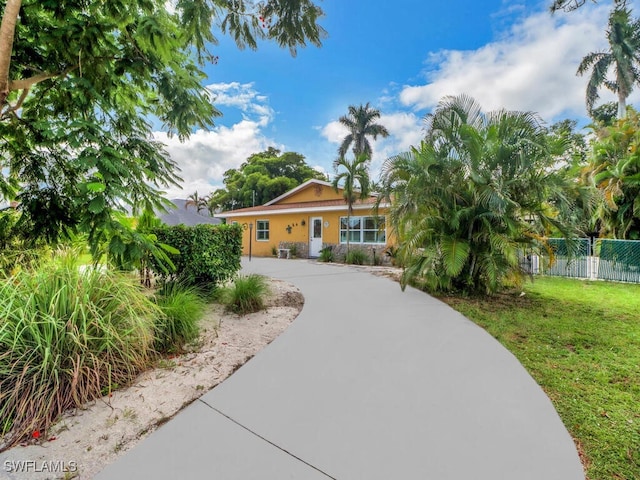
x,y
362,230
262,230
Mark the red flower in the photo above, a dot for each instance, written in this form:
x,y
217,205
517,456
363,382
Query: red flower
x,y
36,434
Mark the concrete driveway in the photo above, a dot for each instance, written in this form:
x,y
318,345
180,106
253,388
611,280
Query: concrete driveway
x,y
368,383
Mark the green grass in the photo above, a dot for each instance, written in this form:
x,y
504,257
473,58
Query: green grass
x,y
357,257
581,342
67,336
246,294
183,307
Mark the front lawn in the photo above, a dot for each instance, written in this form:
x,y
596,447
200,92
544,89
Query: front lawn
x,y
581,342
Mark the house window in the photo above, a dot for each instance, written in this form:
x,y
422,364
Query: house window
x,y
363,230
262,230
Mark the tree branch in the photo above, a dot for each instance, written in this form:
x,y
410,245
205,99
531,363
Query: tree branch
x,y
7,31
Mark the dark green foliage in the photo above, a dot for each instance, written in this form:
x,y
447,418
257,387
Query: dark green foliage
x,y
67,335
263,177
182,307
209,254
357,257
614,170
480,188
87,77
326,254
246,294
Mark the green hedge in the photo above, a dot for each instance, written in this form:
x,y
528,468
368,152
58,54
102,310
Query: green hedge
x,y
209,254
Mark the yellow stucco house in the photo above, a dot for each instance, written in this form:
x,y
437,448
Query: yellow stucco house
x,y
308,218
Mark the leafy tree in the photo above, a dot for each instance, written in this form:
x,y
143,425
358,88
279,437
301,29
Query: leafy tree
x,y
623,35
79,80
615,171
480,189
263,177
361,124
354,181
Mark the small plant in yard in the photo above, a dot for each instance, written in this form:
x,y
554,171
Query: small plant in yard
x,y
326,254
246,293
182,307
66,334
274,251
356,257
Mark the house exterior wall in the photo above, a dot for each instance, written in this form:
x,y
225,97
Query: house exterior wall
x,y
281,236
313,193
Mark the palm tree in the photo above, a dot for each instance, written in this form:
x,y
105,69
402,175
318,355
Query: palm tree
x,y
196,201
355,183
623,55
360,122
478,190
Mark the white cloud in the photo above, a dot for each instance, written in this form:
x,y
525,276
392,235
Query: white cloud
x,y
206,155
244,97
532,67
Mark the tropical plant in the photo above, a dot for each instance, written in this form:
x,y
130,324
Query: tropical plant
x,y
129,243
80,82
623,35
67,335
246,294
326,254
478,190
354,181
356,257
182,307
360,123
614,170
194,200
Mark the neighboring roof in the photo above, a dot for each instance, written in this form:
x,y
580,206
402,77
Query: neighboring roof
x,y
275,207
186,216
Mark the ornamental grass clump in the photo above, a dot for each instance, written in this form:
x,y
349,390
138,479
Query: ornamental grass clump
x,y
67,336
182,307
246,294
356,257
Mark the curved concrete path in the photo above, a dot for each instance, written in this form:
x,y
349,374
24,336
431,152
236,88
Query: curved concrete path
x,y
368,383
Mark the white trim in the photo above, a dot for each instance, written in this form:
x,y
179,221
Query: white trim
x,y
297,210
268,230
362,230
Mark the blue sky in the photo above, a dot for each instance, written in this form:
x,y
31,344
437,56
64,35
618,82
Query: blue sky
x,y
400,56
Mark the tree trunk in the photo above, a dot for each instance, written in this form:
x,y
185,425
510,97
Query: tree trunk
x,y
622,105
348,225
7,31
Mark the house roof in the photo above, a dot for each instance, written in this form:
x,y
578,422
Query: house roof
x,y
276,207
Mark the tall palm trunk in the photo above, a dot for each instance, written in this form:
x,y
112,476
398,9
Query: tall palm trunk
x,y
622,105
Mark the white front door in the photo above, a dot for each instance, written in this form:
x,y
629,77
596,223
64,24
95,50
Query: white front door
x,y
315,236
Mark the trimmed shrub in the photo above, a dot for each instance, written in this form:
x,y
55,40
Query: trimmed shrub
x,y
356,257
209,254
182,307
246,293
67,336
